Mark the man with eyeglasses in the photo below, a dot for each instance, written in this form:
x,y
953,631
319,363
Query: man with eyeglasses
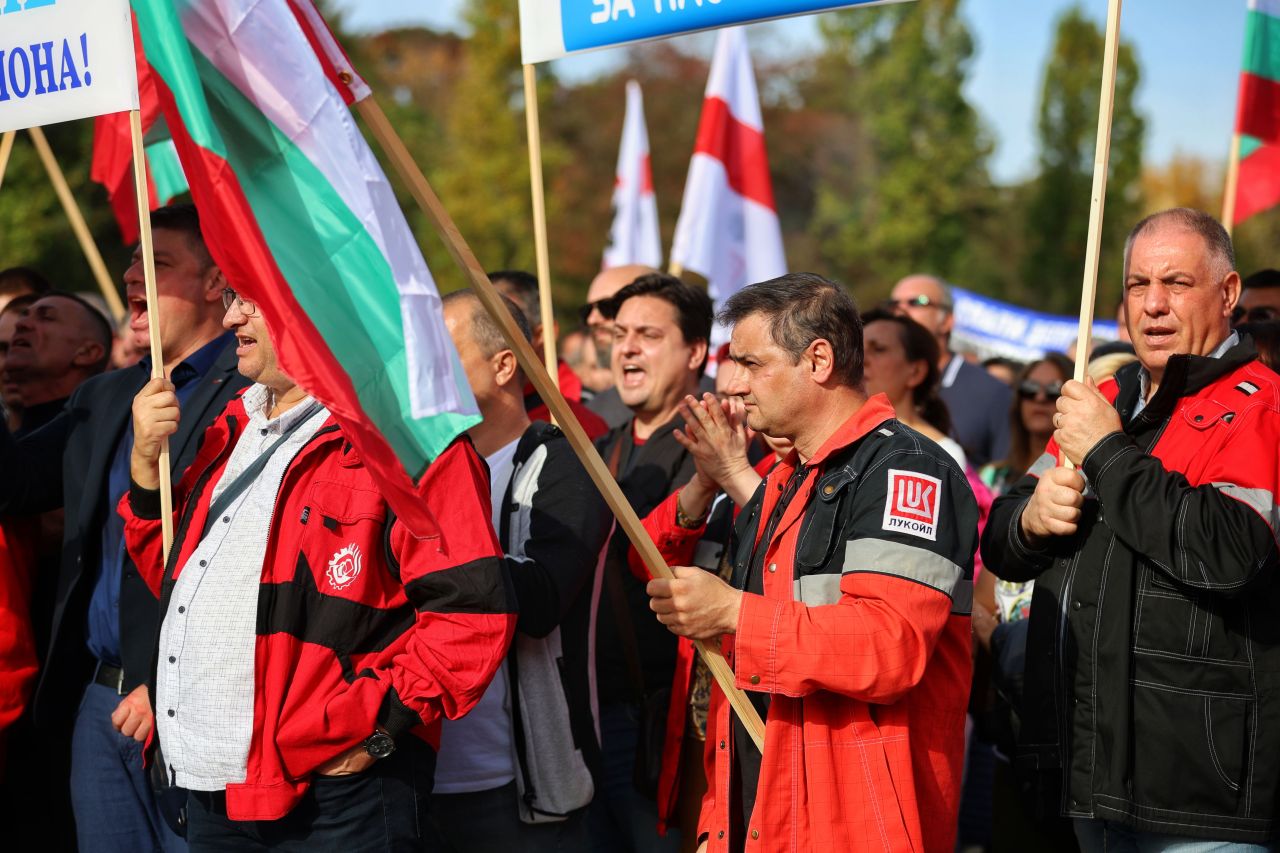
x,y
309,642
91,697
1259,298
978,402
1153,662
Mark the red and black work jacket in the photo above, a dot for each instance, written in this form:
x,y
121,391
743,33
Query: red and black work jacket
x,y
861,638
416,635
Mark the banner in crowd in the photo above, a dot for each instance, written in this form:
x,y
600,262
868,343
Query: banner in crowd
x,y
634,237
302,220
990,328
728,228
64,59
550,29
1258,113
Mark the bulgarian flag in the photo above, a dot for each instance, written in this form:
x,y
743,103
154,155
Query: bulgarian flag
x,y
113,155
301,219
1258,114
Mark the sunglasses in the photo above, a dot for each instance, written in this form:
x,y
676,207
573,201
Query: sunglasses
x,y
585,311
1029,390
1257,314
920,301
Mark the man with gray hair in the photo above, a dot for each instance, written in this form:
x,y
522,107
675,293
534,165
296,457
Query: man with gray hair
x,y
1152,686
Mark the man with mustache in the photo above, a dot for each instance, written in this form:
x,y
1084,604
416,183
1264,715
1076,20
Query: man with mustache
x,y
1153,661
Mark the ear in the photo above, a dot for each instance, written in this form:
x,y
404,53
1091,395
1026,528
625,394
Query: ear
x,y
88,354
697,353
505,367
214,283
916,373
822,362
948,321
1231,290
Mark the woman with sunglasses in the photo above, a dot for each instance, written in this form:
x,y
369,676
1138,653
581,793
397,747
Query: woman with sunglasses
x,y
1000,611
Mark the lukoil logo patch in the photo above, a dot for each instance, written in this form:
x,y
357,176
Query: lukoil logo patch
x,y
912,504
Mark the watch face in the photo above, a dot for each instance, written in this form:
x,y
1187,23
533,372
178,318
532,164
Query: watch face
x,y
379,745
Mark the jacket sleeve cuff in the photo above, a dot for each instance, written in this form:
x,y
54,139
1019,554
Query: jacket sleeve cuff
x,y
395,717
1018,544
1103,455
755,648
145,503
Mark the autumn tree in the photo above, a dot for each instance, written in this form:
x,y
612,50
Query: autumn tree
x,y
904,183
1057,217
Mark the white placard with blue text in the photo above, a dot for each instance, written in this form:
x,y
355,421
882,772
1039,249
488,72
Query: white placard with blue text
x,y
550,29
65,59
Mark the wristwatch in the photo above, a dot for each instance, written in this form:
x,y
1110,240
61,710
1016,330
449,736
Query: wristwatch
x,y
379,745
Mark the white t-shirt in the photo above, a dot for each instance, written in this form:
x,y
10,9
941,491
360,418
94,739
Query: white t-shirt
x,y
477,751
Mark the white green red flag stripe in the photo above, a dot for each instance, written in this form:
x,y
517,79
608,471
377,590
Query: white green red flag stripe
x,y
300,217
1258,113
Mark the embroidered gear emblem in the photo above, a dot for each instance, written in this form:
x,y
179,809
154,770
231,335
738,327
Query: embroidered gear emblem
x,y
344,567
911,505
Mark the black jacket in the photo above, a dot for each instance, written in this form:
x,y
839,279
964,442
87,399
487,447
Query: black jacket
x,y
646,474
66,464
1152,684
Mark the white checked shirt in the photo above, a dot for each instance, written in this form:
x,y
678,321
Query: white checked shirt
x,y
205,677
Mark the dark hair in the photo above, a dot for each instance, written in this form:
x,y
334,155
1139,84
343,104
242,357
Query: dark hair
x,y
1021,453
522,289
1260,280
484,331
1000,361
918,344
23,280
693,306
185,219
1266,337
1216,239
803,307
102,332
18,303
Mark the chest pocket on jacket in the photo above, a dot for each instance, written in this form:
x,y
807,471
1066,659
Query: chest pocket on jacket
x,y
342,538
822,531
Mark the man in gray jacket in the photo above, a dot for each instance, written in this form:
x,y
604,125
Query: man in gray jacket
x,y
516,772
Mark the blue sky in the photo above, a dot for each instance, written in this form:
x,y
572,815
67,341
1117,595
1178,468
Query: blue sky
x,y
1189,51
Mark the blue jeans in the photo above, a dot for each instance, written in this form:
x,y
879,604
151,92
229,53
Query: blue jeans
x,y
110,793
620,818
1103,836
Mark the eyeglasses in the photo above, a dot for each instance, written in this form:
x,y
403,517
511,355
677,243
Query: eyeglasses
x,y
919,301
230,297
1030,390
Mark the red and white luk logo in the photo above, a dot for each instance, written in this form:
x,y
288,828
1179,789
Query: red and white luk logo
x,y
344,567
912,504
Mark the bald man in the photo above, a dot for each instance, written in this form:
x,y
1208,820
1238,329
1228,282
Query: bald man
x,y
978,402
607,404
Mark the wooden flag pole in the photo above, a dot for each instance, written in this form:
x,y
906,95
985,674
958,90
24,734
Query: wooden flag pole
x,y
676,269
1101,162
6,148
542,380
153,314
78,226
540,224
1233,184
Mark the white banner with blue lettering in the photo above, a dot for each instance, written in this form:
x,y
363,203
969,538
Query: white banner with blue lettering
x,y
550,29
990,327
65,59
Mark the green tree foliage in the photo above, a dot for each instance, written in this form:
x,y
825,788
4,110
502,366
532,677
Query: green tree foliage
x,y
904,184
1057,217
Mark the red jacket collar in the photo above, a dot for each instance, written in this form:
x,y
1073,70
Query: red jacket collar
x,y
874,412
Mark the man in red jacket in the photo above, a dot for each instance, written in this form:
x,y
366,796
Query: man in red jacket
x,y
847,618
309,644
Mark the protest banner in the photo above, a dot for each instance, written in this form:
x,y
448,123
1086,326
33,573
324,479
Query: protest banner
x,y
550,29
990,327
64,59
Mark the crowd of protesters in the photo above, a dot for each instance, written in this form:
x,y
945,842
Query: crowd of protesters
x,y
977,605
